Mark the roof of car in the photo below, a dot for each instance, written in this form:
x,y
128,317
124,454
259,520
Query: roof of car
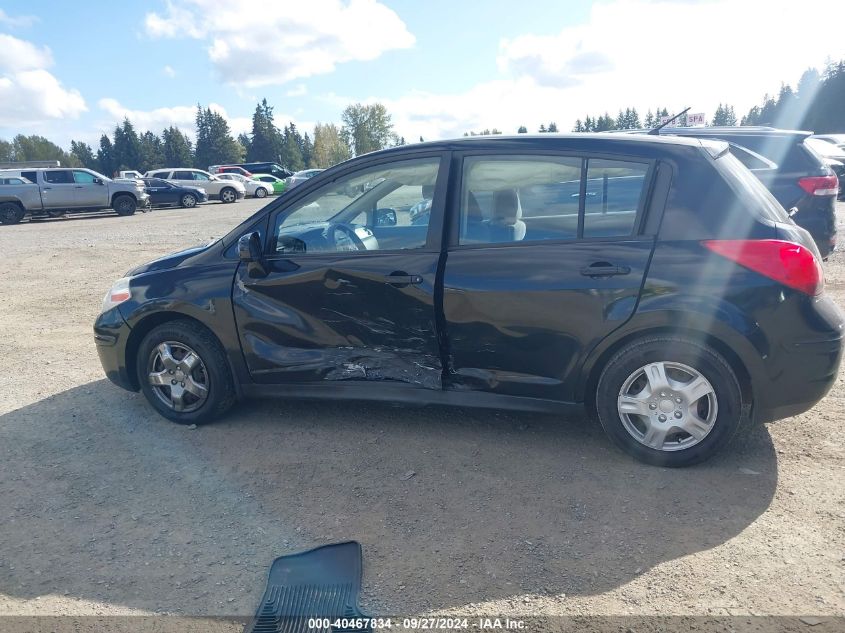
x,y
495,141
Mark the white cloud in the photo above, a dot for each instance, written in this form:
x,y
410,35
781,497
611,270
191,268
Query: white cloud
x,y
293,40
17,20
183,117
634,53
18,55
168,71
29,94
299,90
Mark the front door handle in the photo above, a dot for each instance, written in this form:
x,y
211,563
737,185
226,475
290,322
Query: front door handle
x,y
401,279
604,269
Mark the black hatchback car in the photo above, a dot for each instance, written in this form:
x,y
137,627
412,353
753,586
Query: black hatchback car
x,y
164,193
786,163
654,279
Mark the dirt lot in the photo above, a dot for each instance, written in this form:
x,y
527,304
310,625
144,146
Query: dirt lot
x,y
109,509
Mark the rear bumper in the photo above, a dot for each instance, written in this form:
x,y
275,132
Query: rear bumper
x,y
802,368
110,335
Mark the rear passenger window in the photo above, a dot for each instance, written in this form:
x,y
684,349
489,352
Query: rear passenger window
x,y
183,175
31,176
58,177
519,198
536,198
614,190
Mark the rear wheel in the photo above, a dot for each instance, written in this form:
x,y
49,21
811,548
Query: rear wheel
x,y
228,195
124,204
11,213
669,401
189,201
261,192
183,373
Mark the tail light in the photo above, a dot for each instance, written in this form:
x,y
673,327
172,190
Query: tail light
x,y
820,185
787,263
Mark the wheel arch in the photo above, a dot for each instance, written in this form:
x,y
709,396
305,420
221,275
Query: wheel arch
x,y
599,359
144,327
123,193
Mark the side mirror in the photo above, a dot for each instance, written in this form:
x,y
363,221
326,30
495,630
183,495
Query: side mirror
x,y
249,248
385,217
98,181
249,252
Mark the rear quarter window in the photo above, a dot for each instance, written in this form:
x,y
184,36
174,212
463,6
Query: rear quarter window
x,y
749,189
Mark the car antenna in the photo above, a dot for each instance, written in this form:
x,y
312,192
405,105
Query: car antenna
x,y
656,131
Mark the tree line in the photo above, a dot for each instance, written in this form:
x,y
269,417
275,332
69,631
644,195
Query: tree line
x,y
365,128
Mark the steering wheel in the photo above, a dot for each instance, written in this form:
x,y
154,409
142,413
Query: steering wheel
x,y
343,238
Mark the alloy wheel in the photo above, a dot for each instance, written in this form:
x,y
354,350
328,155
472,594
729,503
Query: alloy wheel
x,y
178,376
667,406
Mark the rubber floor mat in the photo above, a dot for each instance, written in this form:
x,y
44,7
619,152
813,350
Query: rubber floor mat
x,y
312,591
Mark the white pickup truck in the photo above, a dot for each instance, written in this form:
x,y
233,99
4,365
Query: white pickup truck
x,y
56,191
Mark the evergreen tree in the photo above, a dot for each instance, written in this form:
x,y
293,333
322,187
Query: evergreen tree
x,y
552,127
127,147
105,156
542,129
522,130
84,154
578,127
264,141
176,148
307,148
35,147
215,145
292,148
152,155
649,120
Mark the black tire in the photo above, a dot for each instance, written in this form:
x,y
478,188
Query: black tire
x,y
228,195
221,389
730,414
11,213
188,201
261,192
124,204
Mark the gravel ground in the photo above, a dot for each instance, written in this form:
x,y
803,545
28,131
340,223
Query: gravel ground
x,y
109,509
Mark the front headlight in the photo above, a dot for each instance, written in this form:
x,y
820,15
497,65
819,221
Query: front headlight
x,y
119,293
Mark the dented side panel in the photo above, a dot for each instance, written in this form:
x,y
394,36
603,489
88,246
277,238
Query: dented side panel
x,y
336,317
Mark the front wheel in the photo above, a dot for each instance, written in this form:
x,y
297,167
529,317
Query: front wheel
x,y
189,201
124,204
10,213
669,401
228,195
183,373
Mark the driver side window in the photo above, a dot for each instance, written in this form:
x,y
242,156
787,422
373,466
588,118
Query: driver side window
x,y
386,207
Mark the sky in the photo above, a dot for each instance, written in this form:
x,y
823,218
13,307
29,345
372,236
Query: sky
x,y
441,67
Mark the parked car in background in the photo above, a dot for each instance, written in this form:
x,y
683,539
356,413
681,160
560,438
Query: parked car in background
x,y
797,176
224,190
56,191
836,139
273,169
130,174
833,156
278,184
301,176
168,194
229,169
254,188
678,301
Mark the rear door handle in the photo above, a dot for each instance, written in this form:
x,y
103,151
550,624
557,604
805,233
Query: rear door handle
x,y
403,280
602,269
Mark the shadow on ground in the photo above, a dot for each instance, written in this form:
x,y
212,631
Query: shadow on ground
x,y
105,501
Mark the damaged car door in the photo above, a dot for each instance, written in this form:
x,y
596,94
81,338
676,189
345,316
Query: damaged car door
x,y
345,290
